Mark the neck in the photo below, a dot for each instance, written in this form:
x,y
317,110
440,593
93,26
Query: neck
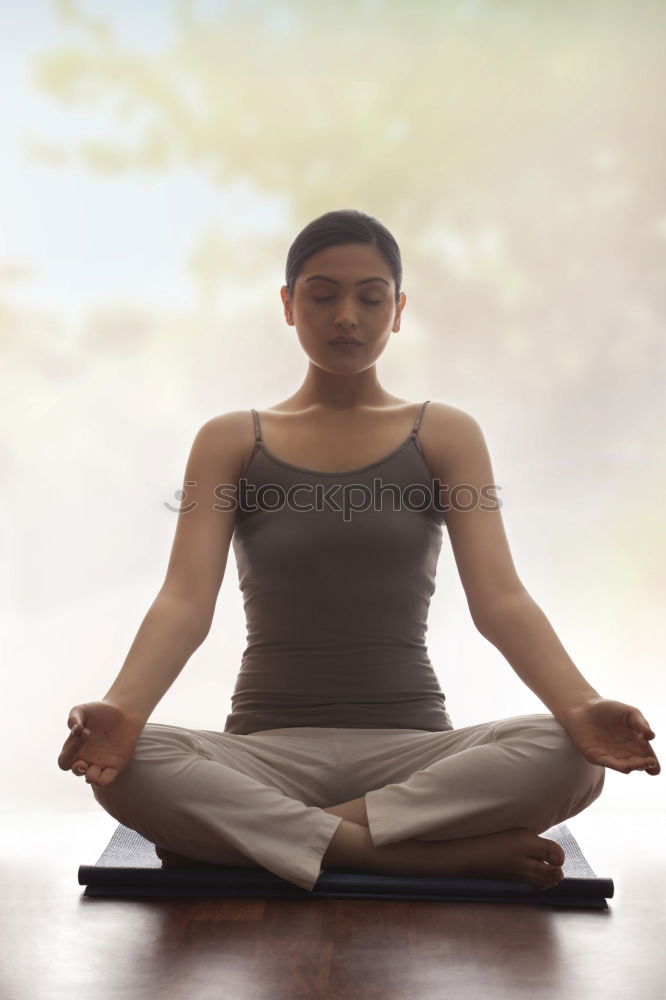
x,y
340,392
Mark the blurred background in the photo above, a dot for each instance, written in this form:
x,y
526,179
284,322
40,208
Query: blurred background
x,y
156,162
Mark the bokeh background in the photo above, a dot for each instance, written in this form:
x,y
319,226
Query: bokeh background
x,y
156,162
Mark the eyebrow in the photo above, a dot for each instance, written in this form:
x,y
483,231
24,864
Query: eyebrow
x,y
363,281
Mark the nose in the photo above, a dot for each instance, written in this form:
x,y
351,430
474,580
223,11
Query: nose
x,y
345,316
345,319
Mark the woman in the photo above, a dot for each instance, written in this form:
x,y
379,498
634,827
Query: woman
x,y
339,753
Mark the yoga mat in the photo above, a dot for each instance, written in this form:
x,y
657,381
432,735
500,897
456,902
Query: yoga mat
x,y
129,867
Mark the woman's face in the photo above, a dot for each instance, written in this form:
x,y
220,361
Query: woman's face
x,y
344,301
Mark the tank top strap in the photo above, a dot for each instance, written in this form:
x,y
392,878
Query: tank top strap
x,y
257,425
418,418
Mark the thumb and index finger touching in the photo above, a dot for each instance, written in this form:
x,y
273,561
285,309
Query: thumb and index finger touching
x,y
77,733
77,721
640,725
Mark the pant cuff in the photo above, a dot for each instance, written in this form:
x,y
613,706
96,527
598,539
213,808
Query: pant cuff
x,y
305,869
378,818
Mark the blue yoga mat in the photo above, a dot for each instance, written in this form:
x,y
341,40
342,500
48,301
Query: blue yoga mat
x,y
129,867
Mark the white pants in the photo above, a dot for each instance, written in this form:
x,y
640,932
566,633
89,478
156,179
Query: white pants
x,y
259,800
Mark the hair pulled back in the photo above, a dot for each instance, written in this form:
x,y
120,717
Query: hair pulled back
x,y
343,226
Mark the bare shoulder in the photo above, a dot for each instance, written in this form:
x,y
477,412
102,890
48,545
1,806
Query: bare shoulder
x,y
204,528
228,439
455,449
445,433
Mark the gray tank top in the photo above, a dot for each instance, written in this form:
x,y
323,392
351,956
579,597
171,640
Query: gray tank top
x,y
337,571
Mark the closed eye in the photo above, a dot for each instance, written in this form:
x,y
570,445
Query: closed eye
x,y
370,302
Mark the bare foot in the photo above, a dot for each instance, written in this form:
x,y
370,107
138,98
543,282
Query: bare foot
x,y
516,854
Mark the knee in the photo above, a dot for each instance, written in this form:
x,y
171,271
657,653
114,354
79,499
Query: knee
x,y
144,786
585,779
121,793
557,765
128,789
104,795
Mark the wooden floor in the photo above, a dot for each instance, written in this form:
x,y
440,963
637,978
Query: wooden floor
x,y
56,943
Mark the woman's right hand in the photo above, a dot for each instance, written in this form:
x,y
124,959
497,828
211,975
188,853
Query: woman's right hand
x,y
101,741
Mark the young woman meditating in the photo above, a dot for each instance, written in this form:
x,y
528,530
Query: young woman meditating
x,y
338,753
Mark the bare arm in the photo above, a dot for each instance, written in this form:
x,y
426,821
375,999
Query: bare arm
x,y
521,632
171,631
103,733
180,617
501,607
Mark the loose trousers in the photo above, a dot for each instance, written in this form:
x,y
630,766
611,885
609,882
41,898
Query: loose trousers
x,y
258,800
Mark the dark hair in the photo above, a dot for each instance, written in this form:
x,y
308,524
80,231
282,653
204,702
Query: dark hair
x,y
344,226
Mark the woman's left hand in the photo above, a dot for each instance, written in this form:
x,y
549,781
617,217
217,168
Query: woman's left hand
x,y
612,734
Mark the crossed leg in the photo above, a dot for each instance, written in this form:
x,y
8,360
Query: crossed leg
x,y
542,781
513,854
516,853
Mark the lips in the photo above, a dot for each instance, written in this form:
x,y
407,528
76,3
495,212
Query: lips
x,y
345,340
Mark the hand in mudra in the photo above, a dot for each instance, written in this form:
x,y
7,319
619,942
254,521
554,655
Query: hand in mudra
x,y
101,741
612,734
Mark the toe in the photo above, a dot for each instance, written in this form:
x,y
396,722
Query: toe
x,y
555,875
545,876
553,853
